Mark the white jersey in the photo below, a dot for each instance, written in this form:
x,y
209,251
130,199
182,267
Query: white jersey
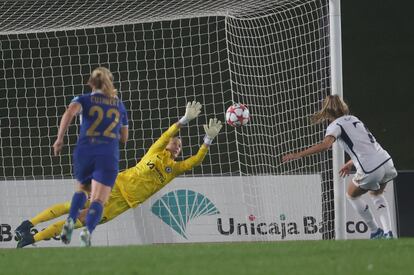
x,y
365,152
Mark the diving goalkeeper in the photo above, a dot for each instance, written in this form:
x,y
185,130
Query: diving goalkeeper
x,y
134,185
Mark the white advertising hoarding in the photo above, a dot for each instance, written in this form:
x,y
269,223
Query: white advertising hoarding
x,y
225,209
201,209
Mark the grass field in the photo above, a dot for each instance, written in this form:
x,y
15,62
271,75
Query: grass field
x,y
295,257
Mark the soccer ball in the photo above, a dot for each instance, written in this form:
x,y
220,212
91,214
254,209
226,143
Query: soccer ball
x,y
237,115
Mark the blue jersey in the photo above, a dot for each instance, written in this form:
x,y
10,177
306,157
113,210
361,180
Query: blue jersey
x,y
101,122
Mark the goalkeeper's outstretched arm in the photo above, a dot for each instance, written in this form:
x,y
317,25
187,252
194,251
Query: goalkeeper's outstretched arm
x,y
211,130
192,110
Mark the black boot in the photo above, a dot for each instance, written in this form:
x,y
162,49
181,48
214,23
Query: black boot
x,y
26,240
23,229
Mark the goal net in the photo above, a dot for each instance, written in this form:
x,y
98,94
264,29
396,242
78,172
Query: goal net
x,y
273,56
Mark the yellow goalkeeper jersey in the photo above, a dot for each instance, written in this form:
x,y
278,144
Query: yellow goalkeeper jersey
x,y
155,170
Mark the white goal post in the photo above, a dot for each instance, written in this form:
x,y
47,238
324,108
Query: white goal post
x,y
338,153
279,57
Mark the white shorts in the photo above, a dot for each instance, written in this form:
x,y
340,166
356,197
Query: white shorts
x,y
372,181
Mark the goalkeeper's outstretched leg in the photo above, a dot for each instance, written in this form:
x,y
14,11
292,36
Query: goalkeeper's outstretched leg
x,y
48,214
27,238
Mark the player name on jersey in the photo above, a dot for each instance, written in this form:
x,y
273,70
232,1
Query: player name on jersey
x,y
104,100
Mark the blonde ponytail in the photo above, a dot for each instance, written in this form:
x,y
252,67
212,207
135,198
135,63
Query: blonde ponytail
x,y
102,79
332,108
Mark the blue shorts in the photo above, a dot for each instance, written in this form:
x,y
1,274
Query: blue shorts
x,y
101,168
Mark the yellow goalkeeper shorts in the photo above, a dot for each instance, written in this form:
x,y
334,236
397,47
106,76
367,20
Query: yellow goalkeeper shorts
x,y
115,206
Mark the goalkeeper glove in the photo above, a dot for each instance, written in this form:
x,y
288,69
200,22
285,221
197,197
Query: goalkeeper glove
x,y
192,110
212,130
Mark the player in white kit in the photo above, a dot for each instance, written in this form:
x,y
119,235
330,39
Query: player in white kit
x,y
374,166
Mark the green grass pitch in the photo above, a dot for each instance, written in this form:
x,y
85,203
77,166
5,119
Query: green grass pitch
x,y
291,257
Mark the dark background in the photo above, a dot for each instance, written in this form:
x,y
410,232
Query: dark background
x,y
378,44
404,189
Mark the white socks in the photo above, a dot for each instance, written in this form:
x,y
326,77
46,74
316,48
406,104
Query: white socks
x,y
363,210
381,205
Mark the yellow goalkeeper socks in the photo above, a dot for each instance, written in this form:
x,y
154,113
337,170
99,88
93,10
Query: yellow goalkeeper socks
x,y
50,213
53,230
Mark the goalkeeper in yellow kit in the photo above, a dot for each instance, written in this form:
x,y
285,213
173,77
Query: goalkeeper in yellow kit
x,y
134,185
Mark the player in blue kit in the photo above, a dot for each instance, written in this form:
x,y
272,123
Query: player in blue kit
x,y
104,123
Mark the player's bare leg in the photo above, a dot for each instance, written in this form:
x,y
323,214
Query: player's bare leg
x,y
354,194
99,196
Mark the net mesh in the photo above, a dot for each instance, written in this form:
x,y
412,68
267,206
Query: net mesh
x,y
272,56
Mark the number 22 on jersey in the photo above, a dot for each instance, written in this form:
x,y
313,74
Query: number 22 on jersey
x,y
111,114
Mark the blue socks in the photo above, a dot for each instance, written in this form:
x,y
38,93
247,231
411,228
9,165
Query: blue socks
x,y
78,202
94,215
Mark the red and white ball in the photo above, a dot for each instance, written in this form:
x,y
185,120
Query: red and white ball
x,y
237,115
